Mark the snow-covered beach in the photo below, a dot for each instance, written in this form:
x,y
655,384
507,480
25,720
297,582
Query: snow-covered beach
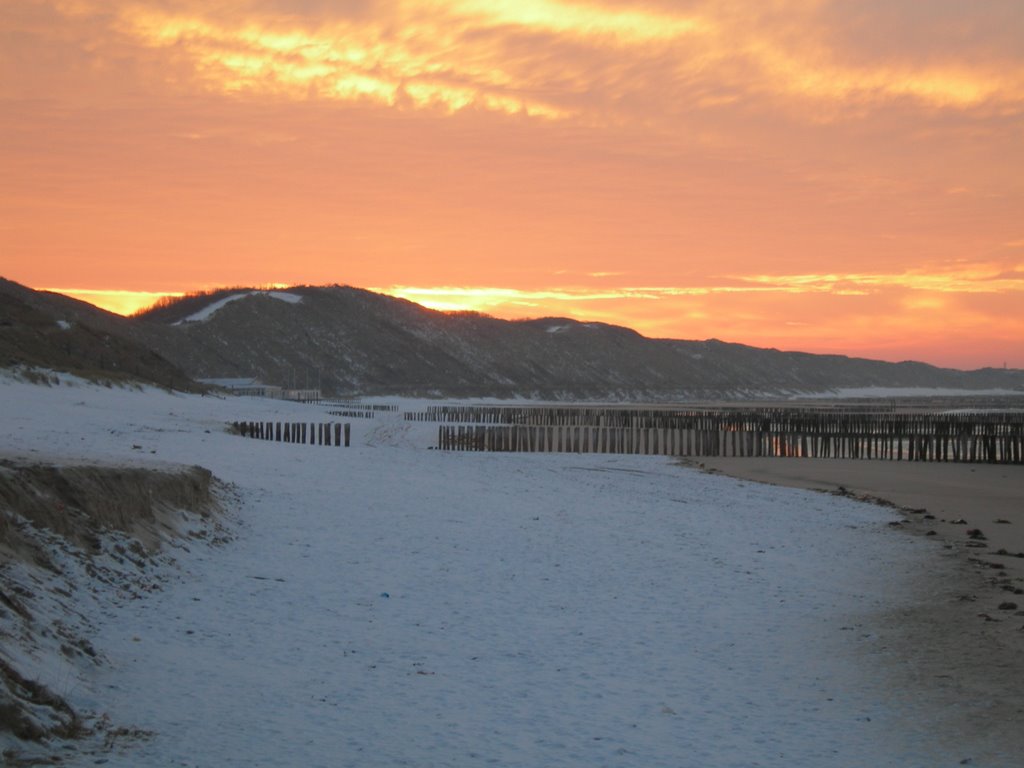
x,y
387,604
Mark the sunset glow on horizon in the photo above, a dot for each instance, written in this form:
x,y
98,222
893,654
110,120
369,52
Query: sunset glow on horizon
x,y
802,174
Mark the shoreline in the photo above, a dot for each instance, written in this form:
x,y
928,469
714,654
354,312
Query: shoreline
x,y
960,640
975,511
976,508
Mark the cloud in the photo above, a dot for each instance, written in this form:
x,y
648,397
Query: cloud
x,y
928,287
887,316
989,278
122,302
404,61
557,59
690,167
749,304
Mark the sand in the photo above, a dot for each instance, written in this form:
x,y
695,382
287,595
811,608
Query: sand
x,y
986,497
965,636
976,510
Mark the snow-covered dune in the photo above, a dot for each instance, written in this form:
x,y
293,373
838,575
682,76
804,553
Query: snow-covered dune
x,y
211,309
388,605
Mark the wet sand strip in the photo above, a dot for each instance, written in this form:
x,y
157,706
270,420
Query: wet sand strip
x,y
963,640
960,497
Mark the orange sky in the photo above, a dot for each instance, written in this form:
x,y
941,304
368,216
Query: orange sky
x,y
839,176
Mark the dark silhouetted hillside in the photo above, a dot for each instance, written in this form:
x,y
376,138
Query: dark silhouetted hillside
x,y
353,341
50,331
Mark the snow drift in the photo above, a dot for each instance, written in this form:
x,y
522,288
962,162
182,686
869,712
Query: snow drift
x,y
388,605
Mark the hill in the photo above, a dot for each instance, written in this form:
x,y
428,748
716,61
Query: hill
x,y
350,341
51,331
353,341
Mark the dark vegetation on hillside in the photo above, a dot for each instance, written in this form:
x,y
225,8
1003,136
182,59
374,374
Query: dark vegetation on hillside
x,y
350,341
172,309
40,335
354,341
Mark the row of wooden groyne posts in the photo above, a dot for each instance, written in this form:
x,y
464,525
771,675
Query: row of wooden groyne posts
x,y
993,437
366,407
305,433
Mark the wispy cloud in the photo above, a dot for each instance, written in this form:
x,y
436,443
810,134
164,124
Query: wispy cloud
x,y
409,59
879,315
584,59
122,302
991,278
974,280
707,167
